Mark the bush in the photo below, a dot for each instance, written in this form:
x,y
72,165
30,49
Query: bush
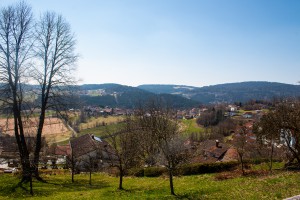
x,y
188,169
138,172
202,168
154,171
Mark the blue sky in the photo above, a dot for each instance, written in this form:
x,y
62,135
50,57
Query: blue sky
x,y
185,42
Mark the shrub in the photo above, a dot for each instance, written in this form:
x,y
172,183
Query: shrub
x,y
138,172
154,171
202,168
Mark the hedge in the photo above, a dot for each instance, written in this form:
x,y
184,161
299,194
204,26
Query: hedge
x,y
202,168
188,169
154,171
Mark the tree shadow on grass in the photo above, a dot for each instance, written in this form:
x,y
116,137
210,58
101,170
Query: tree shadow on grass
x,y
49,188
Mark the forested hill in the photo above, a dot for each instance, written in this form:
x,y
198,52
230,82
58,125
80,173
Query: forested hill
x,y
230,92
115,95
181,96
167,89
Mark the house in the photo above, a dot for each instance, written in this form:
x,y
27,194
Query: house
x,y
9,151
232,108
60,155
211,151
248,115
9,147
119,111
91,153
62,150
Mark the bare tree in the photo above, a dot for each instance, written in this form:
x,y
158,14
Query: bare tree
x,y
16,39
33,52
288,114
173,153
268,134
55,49
283,126
123,151
161,130
241,146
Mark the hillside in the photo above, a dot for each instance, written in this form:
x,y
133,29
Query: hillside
x,y
115,95
181,96
168,89
230,92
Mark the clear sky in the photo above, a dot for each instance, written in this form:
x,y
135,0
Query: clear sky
x,y
185,42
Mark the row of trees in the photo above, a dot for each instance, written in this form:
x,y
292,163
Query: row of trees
x,y
150,137
37,51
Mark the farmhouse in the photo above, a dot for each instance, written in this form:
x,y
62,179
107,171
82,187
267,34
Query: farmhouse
x,y
9,148
91,153
248,115
214,151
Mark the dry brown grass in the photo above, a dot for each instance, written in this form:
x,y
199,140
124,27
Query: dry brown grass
x,y
54,129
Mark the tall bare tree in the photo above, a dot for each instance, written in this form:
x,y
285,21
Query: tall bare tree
x,y
16,39
39,52
55,50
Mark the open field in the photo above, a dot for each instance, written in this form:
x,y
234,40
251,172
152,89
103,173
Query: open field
x,y
279,185
103,130
93,122
54,129
190,126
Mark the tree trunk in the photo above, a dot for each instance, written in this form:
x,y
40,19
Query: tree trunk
x,y
242,163
90,182
121,179
72,167
31,190
39,143
271,157
171,181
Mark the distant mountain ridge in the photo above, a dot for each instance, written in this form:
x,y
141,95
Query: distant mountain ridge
x,y
183,96
229,92
116,95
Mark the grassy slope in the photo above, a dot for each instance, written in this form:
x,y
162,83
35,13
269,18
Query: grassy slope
x,y
107,120
277,186
190,126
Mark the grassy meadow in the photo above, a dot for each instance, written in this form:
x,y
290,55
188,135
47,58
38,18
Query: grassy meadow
x,y
226,185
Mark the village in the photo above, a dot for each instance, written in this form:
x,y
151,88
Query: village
x,y
149,99
205,140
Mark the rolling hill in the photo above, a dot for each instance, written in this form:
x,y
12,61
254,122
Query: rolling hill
x,y
230,92
115,95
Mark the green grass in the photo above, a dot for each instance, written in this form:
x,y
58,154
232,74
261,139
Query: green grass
x,y
92,122
277,186
103,130
191,126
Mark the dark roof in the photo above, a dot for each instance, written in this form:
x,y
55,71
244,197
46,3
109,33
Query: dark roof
x,y
82,145
207,151
88,143
230,155
9,146
63,150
